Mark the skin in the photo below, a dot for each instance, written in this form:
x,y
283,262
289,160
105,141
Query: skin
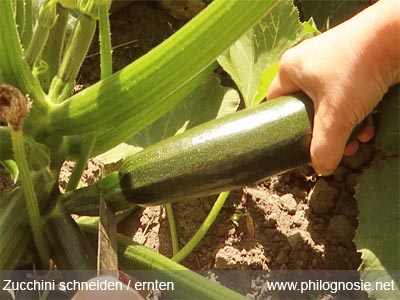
x,y
125,294
345,71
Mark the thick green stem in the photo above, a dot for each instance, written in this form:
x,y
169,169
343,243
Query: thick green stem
x,y
188,284
20,16
105,41
46,20
146,83
28,25
118,134
37,44
201,232
30,196
172,228
55,45
85,201
106,70
78,45
87,146
14,69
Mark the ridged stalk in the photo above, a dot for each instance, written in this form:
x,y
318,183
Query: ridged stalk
x,y
20,16
76,50
55,45
118,134
35,219
133,256
15,70
37,44
46,20
106,70
172,228
27,34
85,201
144,84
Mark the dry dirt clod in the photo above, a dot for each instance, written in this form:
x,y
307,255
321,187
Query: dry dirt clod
x,y
295,239
183,10
351,182
365,153
322,197
288,203
230,258
341,173
282,257
341,230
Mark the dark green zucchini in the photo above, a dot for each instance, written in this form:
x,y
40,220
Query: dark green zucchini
x,y
69,246
222,155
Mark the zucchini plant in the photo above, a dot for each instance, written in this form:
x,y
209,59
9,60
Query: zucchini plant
x,y
44,124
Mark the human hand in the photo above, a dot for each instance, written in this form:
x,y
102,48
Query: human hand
x,y
346,74
121,294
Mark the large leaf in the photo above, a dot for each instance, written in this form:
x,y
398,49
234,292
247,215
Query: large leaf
x,y
328,13
209,101
378,234
373,272
256,53
387,123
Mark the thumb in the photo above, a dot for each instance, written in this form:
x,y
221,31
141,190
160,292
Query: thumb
x,y
330,134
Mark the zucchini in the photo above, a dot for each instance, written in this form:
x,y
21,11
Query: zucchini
x,y
223,154
69,247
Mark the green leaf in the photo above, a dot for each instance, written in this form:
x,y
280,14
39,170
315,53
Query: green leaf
x,y
310,29
209,101
260,48
38,155
377,193
328,13
373,272
387,121
11,167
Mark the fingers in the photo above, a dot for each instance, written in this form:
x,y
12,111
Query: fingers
x,y
329,138
367,133
124,293
281,85
351,148
284,82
